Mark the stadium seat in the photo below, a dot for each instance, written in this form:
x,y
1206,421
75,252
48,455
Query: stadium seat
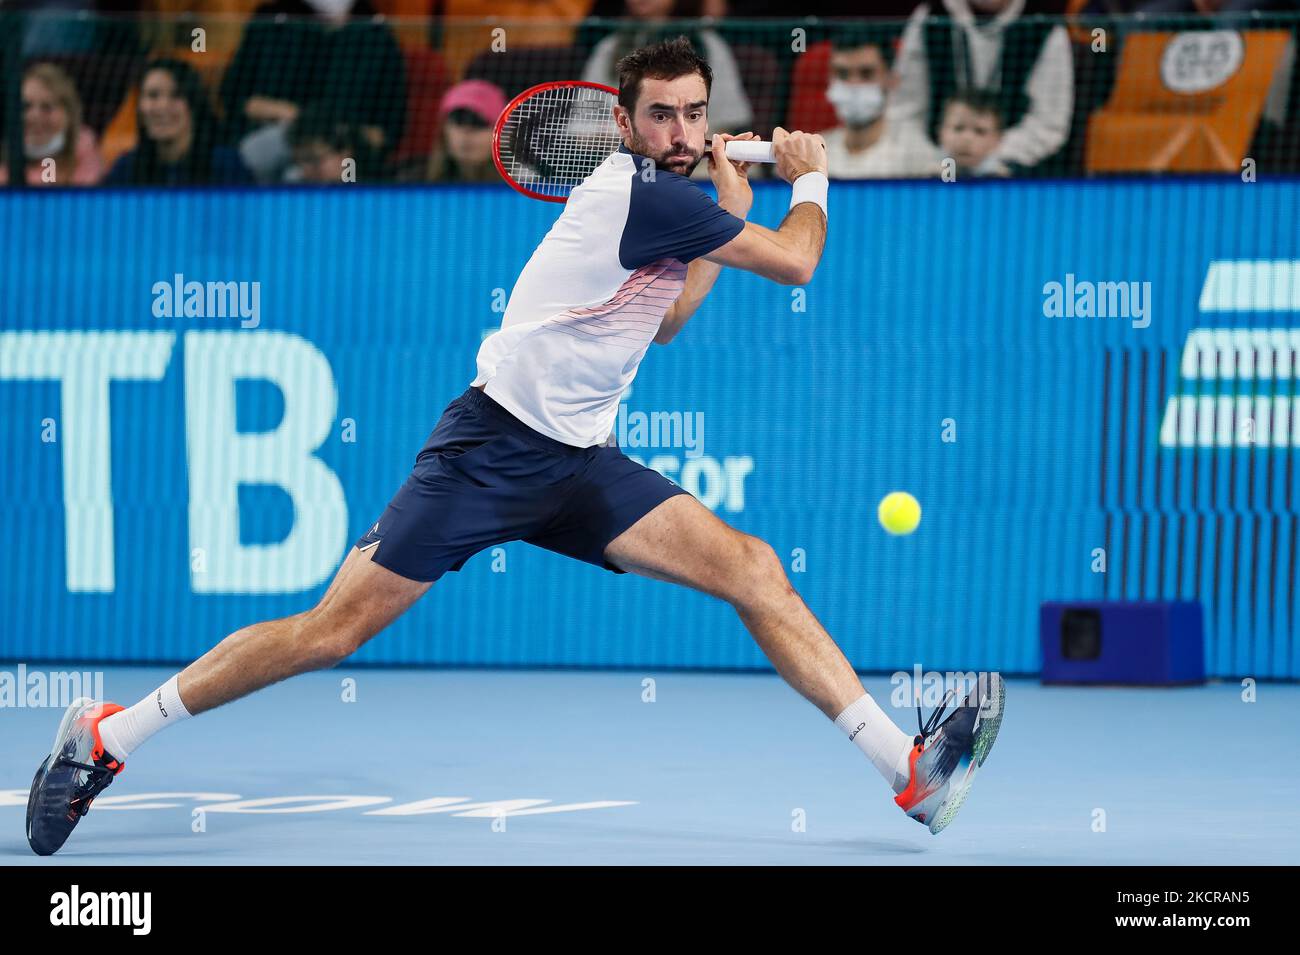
x,y
120,135
467,27
404,9
1170,109
222,21
761,74
521,67
426,81
809,109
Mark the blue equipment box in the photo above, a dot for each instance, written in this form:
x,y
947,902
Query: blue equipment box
x,y
1147,642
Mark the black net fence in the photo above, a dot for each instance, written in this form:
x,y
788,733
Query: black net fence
x,y
230,99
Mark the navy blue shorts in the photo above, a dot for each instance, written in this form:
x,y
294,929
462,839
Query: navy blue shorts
x,y
484,477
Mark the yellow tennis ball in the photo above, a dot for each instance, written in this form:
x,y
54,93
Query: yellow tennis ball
x,y
899,512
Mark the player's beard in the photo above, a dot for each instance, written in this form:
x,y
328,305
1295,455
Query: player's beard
x,y
685,163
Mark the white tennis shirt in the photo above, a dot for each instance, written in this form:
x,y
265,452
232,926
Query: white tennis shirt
x,y
591,298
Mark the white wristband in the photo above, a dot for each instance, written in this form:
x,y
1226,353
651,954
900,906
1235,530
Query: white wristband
x,y
810,187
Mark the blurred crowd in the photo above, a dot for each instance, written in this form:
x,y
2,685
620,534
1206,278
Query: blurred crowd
x,y
332,91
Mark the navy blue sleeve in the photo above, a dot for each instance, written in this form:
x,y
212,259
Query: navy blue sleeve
x,y
672,218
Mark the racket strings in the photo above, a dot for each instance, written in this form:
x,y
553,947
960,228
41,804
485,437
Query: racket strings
x,y
554,139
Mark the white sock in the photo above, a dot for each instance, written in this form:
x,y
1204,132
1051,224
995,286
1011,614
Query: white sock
x,y
875,734
123,732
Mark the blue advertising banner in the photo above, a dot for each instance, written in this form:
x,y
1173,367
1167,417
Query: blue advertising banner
x,y
206,396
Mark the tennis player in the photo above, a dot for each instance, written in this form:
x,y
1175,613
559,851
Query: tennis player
x,y
523,454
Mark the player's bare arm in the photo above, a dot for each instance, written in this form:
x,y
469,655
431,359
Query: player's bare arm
x,y
790,253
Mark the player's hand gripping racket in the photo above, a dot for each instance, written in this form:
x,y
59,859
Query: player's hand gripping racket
x,y
551,137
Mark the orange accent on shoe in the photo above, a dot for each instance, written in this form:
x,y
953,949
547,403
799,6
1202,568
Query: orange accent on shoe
x,y
97,751
910,796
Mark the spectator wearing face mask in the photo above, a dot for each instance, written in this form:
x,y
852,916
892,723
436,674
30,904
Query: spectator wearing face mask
x,y
969,134
53,131
986,44
866,144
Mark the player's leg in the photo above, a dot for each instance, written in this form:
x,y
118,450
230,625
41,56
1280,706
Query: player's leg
x,y
624,516
362,600
459,499
437,519
682,542
94,738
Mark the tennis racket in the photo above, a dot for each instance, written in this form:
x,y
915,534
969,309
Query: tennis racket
x,y
552,136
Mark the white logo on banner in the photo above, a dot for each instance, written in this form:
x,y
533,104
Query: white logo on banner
x,y
220,458
1252,370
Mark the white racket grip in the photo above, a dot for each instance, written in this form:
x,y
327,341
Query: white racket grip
x,y
749,150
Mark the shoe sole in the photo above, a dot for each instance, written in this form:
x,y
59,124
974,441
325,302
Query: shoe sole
x,y
38,781
987,723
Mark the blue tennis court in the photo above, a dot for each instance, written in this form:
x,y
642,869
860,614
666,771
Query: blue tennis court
x,y
562,767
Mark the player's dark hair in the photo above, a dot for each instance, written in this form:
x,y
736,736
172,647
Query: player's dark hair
x,y
665,60
984,102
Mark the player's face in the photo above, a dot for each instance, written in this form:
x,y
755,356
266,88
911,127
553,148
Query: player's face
x,y
671,123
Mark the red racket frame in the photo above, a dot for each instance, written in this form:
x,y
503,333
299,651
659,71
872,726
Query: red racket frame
x,y
501,121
